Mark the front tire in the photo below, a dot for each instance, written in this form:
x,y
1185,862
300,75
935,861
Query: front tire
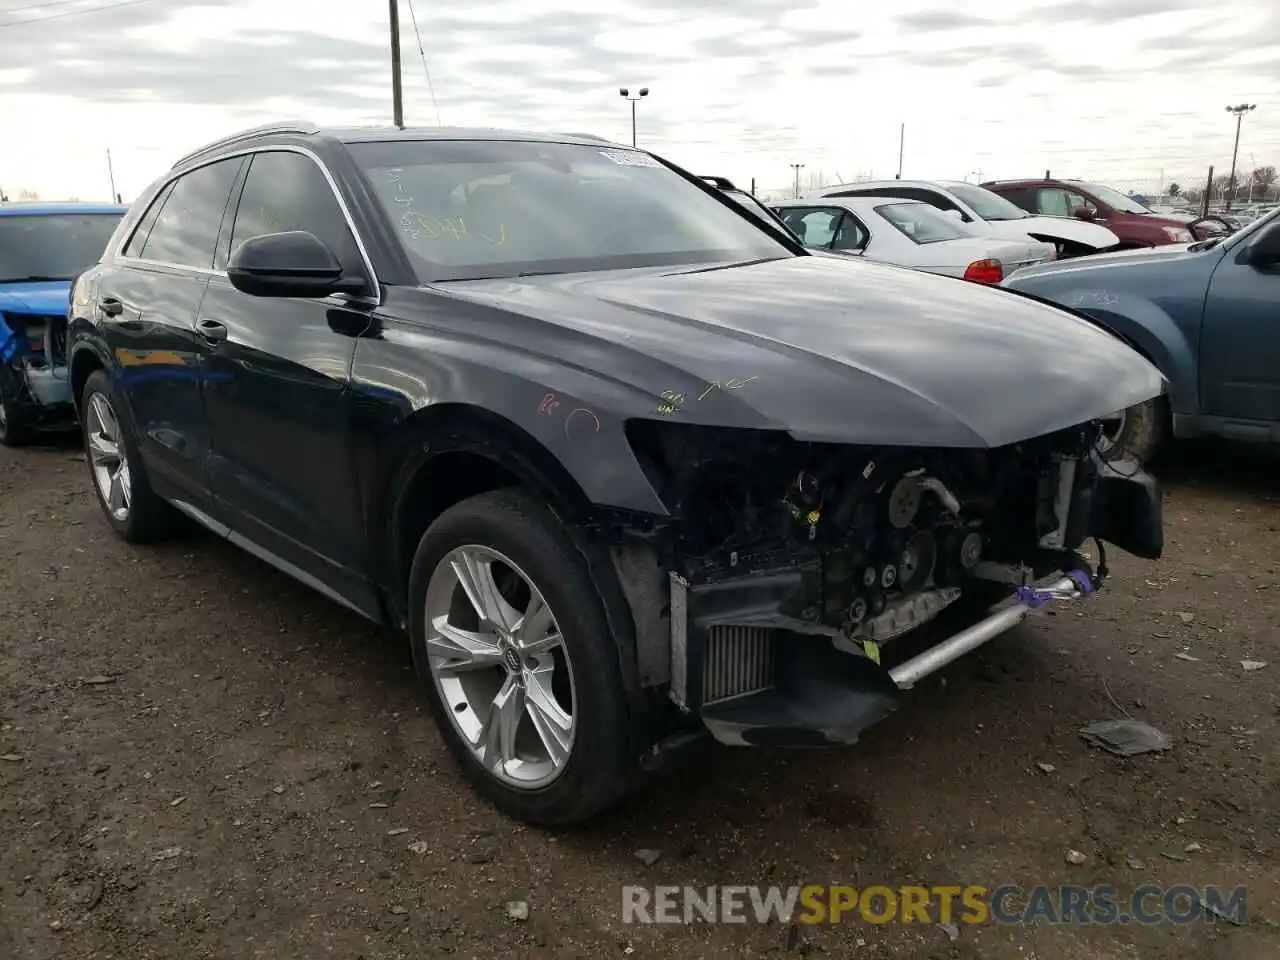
x,y
521,671
13,432
132,508
1138,432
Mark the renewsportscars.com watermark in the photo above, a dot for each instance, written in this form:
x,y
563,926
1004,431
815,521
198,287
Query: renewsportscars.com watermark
x,y
1148,904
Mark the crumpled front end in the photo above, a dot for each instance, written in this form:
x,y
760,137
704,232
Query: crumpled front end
x,y
35,383
810,585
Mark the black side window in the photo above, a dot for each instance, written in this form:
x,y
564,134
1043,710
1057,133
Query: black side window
x,y
186,232
140,233
286,191
1023,197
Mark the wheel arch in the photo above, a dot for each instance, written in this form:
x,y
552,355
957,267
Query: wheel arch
x,y
84,360
1153,333
446,453
449,452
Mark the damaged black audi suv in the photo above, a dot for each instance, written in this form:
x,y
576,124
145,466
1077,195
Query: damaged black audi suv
x,y
625,464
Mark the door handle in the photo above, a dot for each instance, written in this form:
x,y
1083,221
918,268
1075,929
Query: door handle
x,y
212,330
111,306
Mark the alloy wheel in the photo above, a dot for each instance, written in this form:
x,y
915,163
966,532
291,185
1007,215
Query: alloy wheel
x,y
107,458
1113,425
500,665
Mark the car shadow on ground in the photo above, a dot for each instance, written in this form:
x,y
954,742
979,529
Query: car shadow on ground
x,y
1245,469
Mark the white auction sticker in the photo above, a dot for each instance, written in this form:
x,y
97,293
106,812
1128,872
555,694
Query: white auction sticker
x,y
630,158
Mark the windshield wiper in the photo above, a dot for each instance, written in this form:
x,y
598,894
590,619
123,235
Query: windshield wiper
x,y
35,278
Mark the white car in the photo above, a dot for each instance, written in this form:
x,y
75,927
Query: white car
x,y
907,233
985,212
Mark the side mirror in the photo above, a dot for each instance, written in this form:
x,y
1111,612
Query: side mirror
x,y
1086,213
1264,251
292,264
954,215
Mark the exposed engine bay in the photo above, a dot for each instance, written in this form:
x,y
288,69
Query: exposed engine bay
x,y
887,537
856,546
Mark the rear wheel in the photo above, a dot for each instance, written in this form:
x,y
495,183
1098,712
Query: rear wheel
x,y
521,671
134,511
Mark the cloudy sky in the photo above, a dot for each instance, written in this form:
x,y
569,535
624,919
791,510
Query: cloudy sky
x,y
1121,90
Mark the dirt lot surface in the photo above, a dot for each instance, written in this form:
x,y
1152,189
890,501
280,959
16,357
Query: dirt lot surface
x,y
201,758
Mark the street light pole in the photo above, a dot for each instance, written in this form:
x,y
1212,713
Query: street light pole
x,y
626,94
1239,110
796,168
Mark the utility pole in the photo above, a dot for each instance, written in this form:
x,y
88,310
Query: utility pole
x,y
902,141
796,168
111,175
1239,110
1208,192
397,91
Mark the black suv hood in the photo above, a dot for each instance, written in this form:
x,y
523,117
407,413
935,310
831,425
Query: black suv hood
x,y
827,349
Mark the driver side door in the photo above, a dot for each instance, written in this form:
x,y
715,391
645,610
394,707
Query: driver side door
x,y
281,466
1240,344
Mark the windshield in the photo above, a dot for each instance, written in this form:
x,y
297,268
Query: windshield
x,y
987,205
469,209
1115,199
921,222
52,246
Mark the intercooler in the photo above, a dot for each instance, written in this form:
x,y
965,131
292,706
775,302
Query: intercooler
x,y
738,661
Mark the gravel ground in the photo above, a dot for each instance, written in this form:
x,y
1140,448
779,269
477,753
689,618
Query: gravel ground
x,y
201,758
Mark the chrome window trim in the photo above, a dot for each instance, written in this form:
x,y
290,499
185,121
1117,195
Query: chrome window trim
x,y
366,260
862,221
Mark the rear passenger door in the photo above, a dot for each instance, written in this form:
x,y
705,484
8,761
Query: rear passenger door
x,y
815,226
281,466
147,307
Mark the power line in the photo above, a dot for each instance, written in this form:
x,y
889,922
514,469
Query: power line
x,y
413,17
38,6
71,13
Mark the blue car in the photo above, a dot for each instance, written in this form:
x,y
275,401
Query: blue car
x,y
1206,313
43,248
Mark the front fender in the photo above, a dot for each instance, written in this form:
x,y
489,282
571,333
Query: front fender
x,y
1156,336
575,415
1139,322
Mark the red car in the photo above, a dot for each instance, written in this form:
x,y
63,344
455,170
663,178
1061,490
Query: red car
x,y
1134,224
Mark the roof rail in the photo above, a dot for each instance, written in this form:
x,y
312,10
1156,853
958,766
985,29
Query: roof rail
x,y
588,136
720,183
301,127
